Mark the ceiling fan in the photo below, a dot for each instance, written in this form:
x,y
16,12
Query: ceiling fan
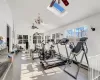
x,y
34,27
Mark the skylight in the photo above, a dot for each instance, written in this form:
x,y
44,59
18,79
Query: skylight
x,y
58,7
57,10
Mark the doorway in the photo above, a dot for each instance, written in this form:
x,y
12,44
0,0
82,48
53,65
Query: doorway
x,y
8,36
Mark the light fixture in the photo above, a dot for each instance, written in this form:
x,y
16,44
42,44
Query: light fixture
x,y
38,20
34,27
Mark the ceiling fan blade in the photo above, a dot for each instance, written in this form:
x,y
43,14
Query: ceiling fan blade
x,y
52,3
58,1
66,3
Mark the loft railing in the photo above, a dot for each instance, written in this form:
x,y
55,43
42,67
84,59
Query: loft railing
x,y
94,68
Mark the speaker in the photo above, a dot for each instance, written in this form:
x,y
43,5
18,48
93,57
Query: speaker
x,y
93,29
66,3
26,45
52,3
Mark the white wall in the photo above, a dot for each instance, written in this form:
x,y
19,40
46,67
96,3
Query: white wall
x,y
5,18
93,37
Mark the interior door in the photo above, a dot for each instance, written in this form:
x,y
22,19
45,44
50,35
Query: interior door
x,y
8,37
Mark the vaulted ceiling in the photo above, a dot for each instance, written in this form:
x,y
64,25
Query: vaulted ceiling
x,y
25,11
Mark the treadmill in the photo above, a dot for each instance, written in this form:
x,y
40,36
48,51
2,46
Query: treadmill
x,y
58,60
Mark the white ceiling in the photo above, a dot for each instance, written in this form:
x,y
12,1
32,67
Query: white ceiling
x,y
27,10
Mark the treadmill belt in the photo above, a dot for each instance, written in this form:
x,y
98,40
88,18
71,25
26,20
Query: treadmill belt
x,y
52,60
52,63
55,62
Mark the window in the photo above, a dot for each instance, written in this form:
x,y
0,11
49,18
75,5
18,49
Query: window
x,y
58,7
19,36
81,32
53,36
25,36
34,38
25,39
77,32
20,42
19,39
47,38
22,39
37,38
57,37
70,33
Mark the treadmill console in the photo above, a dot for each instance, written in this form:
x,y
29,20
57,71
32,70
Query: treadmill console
x,y
64,41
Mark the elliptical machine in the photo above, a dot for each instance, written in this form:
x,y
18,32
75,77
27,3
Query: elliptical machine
x,y
46,54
